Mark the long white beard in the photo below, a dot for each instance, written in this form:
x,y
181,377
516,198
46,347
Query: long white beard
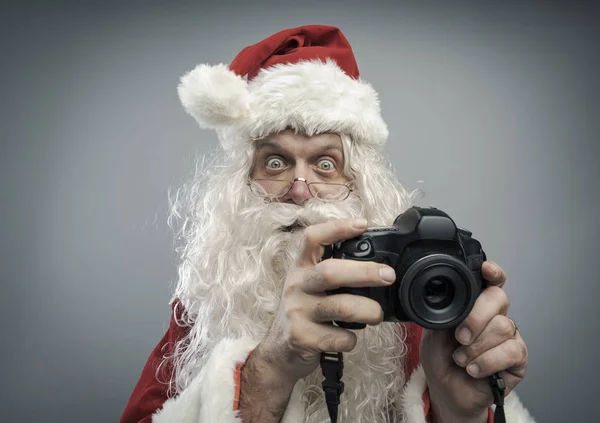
x,y
237,275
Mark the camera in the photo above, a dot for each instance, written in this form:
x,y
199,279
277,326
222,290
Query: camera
x,y
437,264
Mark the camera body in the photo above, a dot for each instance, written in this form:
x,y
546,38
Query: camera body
x,y
437,264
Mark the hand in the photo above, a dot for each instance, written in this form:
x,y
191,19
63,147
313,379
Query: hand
x,y
302,327
457,362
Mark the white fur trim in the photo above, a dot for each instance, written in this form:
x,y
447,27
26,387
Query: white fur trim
x,y
314,97
209,398
514,410
412,403
296,408
214,96
310,96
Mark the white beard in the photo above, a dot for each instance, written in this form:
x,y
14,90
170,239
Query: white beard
x,y
238,277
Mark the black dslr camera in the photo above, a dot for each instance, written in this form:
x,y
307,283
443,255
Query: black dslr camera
x,y
438,268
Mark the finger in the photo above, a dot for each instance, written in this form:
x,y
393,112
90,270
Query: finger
x,y
347,308
335,273
491,301
510,356
321,337
499,330
493,273
317,236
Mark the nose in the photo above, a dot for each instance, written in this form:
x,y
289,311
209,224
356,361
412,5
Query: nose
x,y
299,192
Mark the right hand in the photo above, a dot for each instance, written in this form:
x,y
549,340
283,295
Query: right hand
x,y
302,328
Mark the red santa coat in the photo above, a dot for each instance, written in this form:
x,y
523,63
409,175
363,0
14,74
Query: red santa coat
x,y
218,385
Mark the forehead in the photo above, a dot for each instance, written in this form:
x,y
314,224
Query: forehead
x,y
300,144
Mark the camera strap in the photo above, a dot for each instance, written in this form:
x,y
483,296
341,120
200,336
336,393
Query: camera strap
x,y
332,366
498,389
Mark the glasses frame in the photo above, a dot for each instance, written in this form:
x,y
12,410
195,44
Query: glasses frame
x,y
349,185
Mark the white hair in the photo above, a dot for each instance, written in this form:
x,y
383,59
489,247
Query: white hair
x,y
231,272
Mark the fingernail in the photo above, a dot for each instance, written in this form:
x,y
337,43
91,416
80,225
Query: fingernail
x,y
473,369
359,223
464,336
387,274
460,357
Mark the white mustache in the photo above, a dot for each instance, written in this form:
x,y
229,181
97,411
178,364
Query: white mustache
x,y
284,216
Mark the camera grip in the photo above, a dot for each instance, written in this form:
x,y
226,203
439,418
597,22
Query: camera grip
x,y
348,325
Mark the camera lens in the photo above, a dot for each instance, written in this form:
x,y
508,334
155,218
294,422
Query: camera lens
x,y
438,293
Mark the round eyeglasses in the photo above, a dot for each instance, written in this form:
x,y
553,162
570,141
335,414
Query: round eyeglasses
x,y
273,189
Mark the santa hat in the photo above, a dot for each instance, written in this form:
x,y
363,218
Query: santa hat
x,y
303,78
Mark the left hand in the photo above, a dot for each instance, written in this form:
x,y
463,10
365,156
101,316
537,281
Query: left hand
x,y
459,389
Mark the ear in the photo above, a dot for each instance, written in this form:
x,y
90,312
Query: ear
x,y
215,96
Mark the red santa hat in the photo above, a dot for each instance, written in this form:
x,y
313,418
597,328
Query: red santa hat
x,y
303,78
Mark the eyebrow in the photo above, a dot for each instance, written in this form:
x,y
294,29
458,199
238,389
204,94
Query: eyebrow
x,y
276,146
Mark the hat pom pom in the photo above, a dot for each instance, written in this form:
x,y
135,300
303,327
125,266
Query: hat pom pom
x,y
214,96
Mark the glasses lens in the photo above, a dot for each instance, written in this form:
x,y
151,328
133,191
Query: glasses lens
x,y
328,191
269,188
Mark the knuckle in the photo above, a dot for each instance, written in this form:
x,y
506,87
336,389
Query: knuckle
x,y
309,235
504,326
290,289
474,321
327,342
309,232
344,309
471,351
294,343
514,352
524,352
484,363
295,338
326,270
292,312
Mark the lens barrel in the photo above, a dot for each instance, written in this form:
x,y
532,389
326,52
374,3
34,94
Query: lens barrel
x,y
437,291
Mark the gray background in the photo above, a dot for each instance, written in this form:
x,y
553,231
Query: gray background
x,y
493,106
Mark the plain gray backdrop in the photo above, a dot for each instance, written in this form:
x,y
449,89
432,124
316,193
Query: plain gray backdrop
x,y
494,107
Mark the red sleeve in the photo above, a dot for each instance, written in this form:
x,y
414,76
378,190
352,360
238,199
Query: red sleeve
x,y
149,393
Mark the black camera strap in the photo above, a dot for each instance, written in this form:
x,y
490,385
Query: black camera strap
x,y
332,367
498,389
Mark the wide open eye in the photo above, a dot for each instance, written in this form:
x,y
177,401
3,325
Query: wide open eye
x,y
326,165
275,163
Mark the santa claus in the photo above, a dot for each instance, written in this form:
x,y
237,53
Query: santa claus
x,y
301,167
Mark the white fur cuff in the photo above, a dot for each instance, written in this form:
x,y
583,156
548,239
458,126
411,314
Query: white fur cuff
x,y
210,396
412,403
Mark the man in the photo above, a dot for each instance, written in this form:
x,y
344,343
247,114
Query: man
x,y
302,167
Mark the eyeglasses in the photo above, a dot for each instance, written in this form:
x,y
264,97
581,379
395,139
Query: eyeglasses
x,y
277,188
